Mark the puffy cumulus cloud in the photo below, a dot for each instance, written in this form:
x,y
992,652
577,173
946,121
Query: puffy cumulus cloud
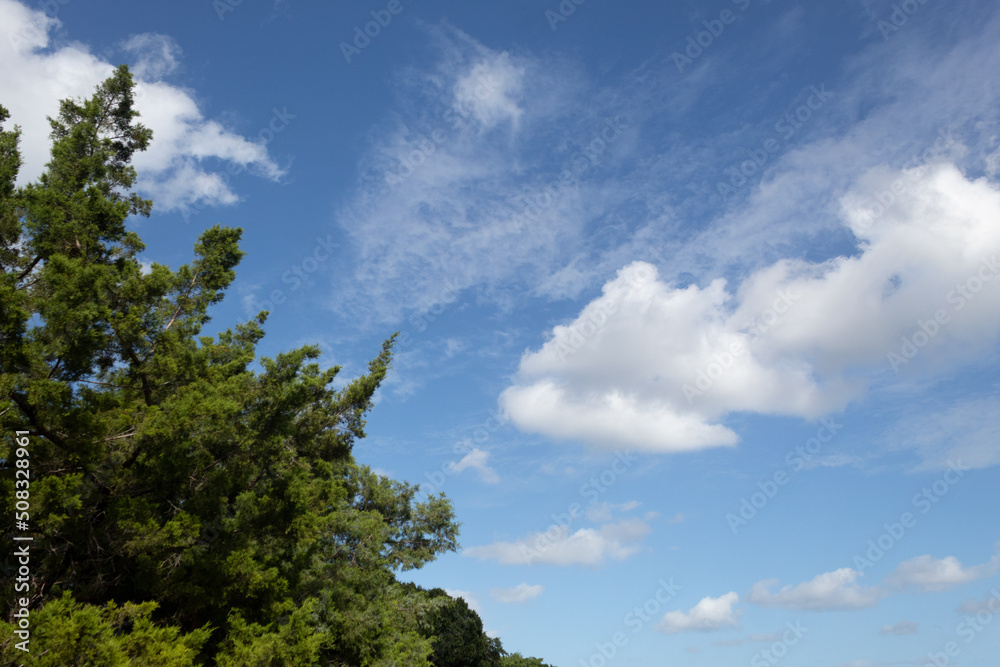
x,y
933,574
39,72
490,90
831,590
155,55
708,615
173,170
517,595
901,628
477,460
658,366
558,546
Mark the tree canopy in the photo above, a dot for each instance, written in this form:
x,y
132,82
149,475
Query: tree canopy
x,y
189,502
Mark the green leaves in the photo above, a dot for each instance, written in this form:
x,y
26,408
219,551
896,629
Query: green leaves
x,y
517,660
459,640
65,633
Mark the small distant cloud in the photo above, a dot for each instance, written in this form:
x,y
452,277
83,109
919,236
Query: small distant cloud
x,y
589,547
728,642
901,628
932,575
605,511
476,459
708,615
517,595
991,605
831,590
453,346
156,55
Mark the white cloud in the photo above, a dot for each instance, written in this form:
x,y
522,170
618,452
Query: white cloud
x,y
155,55
517,595
454,193
557,546
657,367
708,615
728,642
966,431
39,72
901,628
476,459
649,192
491,89
831,590
933,574
990,605
603,511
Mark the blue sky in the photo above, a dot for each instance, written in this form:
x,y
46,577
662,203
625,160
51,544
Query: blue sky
x,y
697,300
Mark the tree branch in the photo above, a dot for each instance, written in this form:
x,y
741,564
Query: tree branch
x,y
32,416
30,267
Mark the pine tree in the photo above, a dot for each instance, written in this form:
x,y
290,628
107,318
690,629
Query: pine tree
x,y
189,502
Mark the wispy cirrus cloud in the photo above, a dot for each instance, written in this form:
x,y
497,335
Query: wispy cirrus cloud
x,y
477,180
155,55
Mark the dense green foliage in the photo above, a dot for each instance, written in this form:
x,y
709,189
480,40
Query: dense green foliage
x,y
190,504
459,639
517,660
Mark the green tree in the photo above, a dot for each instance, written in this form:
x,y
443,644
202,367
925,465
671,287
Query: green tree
x,y
517,660
459,640
190,504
